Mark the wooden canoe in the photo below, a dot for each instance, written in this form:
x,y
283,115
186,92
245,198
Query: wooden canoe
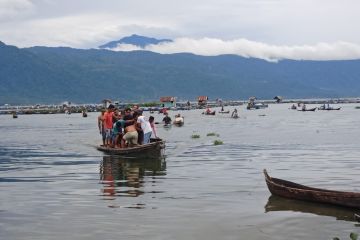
x,y
209,113
293,190
154,148
329,109
308,110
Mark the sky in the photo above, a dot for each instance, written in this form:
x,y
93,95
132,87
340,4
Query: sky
x,y
267,29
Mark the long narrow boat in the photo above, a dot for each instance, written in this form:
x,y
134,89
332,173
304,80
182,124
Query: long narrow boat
x,y
209,113
154,148
293,190
307,110
329,109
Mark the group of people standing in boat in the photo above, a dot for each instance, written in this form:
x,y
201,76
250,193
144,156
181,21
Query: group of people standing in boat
x,y
128,128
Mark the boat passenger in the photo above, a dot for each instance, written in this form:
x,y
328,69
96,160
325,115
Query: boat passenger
x,y
208,111
304,107
128,117
166,120
178,119
116,115
146,129
101,126
118,133
152,124
108,124
131,135
234,114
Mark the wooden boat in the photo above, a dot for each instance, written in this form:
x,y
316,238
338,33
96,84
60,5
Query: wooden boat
x,y
224,112
308,110
292,190
329,108
84,114
152,149
15,115
209,113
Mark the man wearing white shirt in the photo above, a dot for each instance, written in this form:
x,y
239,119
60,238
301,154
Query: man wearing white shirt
x,y
146,128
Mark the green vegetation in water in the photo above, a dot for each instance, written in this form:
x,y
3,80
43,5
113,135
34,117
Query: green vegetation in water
x,y
353,236
150,104
195,136
212,134
218,142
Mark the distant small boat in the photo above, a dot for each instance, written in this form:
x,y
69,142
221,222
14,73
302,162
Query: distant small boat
x,y
256,106
84,114
209,113
293,190
328,108
15,115
224,111
308,110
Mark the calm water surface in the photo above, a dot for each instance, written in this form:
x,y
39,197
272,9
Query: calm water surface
x,y
55,185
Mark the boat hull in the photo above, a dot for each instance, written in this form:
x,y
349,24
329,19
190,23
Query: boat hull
x,y
293,190
154,148
307,110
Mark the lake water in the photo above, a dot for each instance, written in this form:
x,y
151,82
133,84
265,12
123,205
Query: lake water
x,y
55,185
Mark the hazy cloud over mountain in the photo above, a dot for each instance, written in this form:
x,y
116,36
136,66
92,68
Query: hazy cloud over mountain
x,y
246,48
269,29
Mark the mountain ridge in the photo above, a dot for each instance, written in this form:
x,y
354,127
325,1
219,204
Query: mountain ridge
x,y
137,40
53,75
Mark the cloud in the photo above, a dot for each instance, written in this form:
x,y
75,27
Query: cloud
x,y
79,31
252,49
11,9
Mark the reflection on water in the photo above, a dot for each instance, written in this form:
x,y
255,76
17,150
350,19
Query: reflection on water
x,y
124,177
276,203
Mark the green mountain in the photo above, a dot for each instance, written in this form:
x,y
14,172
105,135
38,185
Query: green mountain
x,y
53,75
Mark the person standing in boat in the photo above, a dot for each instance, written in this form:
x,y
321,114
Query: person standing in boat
x,y
145,127
304,107
234,114
131,135
108,125
118,133
152,124
101,126
128,117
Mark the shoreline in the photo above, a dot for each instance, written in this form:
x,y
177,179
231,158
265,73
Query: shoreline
x,y
79,108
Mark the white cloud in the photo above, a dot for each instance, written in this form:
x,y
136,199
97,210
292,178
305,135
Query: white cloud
x,y
11,9
269,29
246,48
79,31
